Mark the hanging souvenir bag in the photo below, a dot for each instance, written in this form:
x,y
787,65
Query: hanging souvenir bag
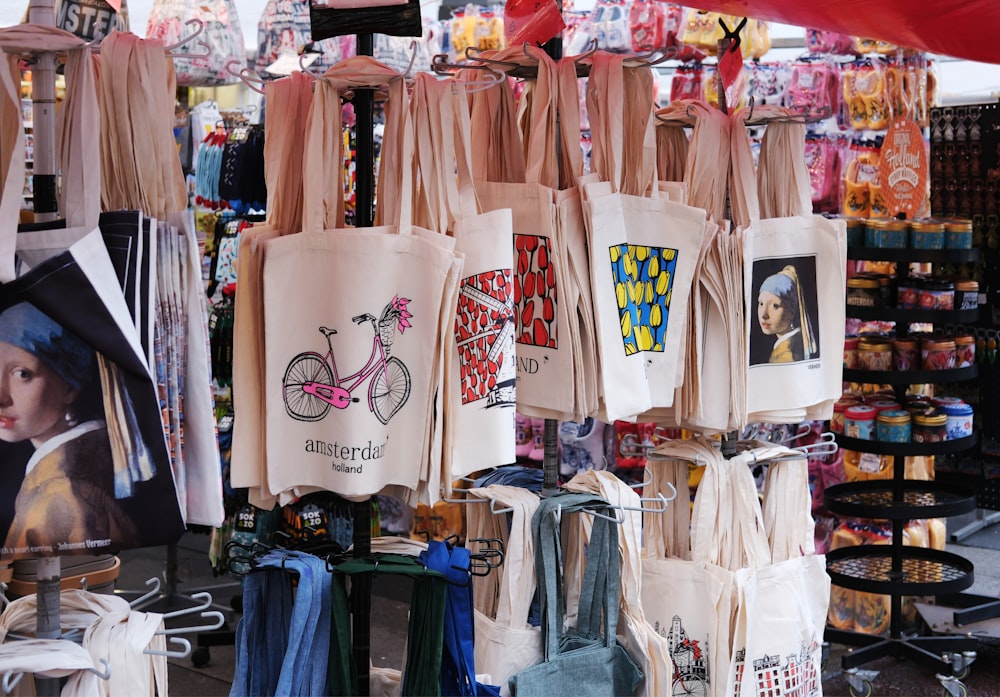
x,y
644,249
686,594
640,637
794,284
458,674
283,30
100,476
505,642
357,377
781,605
588,650
481,370
544,292
201,65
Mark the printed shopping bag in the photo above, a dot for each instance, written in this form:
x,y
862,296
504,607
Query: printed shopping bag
x,y
283,31
360,403
98,474
350,377
480,377
196,64
643,251
686,595
781,607
91,20
545,296
794,283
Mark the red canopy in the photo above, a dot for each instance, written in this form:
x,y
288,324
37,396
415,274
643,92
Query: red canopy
x,y
960,28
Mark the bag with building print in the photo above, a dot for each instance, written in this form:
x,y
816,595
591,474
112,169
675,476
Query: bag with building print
x,y
780,611
686,596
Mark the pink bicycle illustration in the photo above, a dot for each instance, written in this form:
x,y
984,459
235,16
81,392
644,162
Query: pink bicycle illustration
x,y
312,383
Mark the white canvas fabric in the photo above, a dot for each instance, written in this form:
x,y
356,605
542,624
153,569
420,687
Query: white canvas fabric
x,y
505,643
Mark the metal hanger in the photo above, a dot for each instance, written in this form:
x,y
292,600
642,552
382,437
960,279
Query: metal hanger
x,y
12,678
473,86
184,651
666,54
250,79
199,28
804,115
149,595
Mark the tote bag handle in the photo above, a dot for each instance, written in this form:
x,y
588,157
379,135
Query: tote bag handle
x,y
744,203
600,587
517,580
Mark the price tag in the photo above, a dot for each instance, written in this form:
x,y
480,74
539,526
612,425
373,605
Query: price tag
x,y
871,463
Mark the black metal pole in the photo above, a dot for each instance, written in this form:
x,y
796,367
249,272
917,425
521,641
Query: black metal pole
x,y
361,584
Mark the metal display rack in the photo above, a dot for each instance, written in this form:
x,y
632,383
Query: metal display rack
x,y
899,570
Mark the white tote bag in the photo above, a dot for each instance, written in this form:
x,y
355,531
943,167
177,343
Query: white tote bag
x,y
545,302
480,376
506,644
781,607
794,281
687,596
361,410
644,252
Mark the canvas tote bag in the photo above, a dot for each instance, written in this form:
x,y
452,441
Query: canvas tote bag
x,y
781,606
286,127
543,296
639,637
799,261
480,378
505,643
69,310
589,650
644,249
358,400
687,594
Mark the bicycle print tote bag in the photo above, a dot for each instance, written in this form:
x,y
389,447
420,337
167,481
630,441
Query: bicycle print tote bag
x,y
353,320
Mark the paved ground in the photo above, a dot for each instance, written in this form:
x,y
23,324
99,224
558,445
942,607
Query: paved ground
x,y
895,677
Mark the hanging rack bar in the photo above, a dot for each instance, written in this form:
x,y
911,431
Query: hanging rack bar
x,y
184,652
219,621
149,595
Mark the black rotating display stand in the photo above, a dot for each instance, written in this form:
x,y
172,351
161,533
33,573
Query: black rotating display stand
x,y
899,570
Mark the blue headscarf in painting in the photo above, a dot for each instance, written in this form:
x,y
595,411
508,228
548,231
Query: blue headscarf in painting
x,y
785,285
25,326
